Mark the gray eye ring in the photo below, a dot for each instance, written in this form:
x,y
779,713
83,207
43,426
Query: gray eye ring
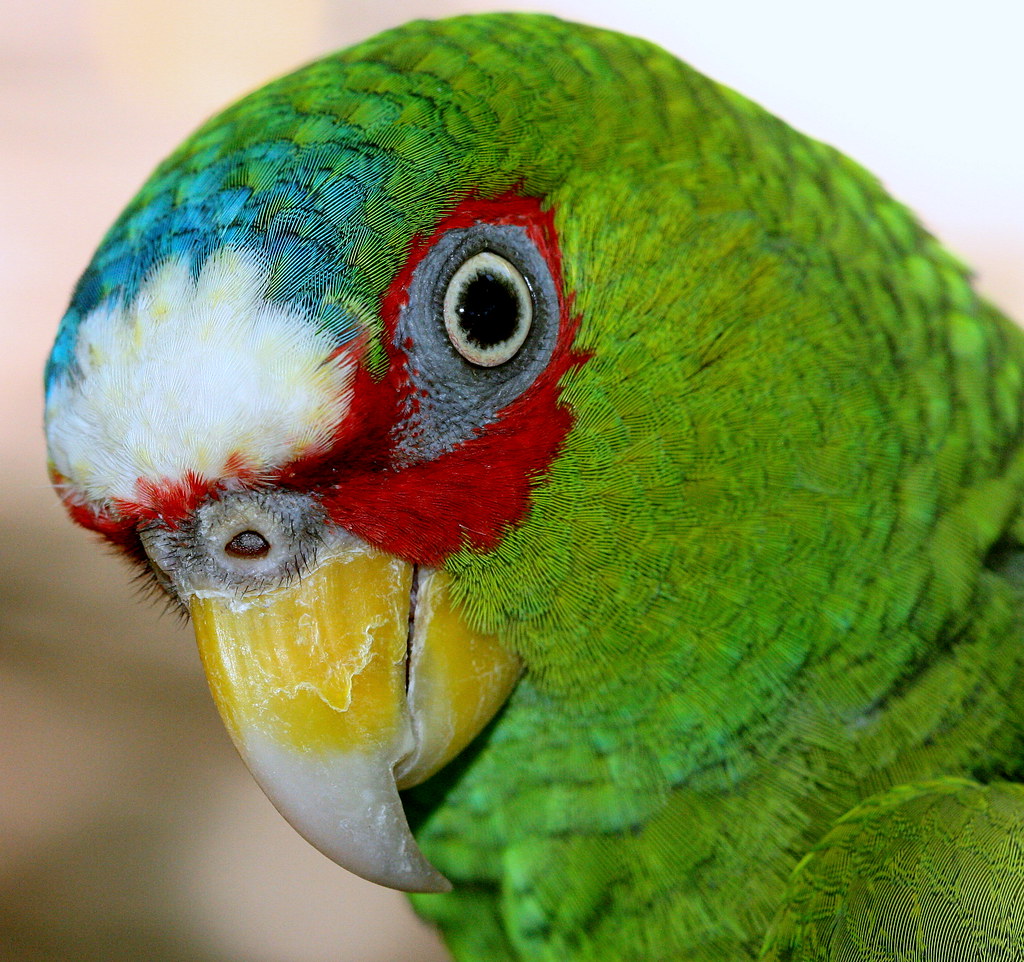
x,y
486,265
455,395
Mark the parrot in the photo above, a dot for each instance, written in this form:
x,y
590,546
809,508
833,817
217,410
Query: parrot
x,y
599,506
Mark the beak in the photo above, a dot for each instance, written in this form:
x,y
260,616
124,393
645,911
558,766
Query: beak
x,y
354,681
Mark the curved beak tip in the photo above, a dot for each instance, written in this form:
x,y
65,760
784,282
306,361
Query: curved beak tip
x,y
348,807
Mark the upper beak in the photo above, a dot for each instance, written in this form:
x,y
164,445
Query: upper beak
x,y
354,681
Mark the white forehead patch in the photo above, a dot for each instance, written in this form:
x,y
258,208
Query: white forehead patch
x,y
192,376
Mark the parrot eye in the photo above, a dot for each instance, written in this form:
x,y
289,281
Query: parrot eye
x,y
480,323
488,309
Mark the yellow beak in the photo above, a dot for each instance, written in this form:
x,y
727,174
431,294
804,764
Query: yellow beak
x,y
349,683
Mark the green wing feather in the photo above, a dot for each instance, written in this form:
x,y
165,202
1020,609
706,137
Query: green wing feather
x,y
922,871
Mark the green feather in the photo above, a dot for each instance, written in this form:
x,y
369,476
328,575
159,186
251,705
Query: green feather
x,y
923,871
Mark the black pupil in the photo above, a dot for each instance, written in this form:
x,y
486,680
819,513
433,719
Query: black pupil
x,y
247,544
488,310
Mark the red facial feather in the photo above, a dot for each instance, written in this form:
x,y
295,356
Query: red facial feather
x,y
424,512
472,495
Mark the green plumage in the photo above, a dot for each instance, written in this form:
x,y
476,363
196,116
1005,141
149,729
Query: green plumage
x,y
757,588
931,870
772,575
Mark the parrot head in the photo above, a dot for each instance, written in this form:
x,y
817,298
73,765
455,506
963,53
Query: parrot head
x,y
317,362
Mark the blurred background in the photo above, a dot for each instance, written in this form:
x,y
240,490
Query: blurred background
x,y
129,830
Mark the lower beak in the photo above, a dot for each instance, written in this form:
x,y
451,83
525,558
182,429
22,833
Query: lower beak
x,y
356,680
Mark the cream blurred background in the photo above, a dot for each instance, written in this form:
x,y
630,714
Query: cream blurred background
x,y
128,828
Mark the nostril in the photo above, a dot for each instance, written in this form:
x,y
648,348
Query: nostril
x,y
248,544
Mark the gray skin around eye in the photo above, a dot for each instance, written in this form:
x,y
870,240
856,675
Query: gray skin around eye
x,y
454,398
